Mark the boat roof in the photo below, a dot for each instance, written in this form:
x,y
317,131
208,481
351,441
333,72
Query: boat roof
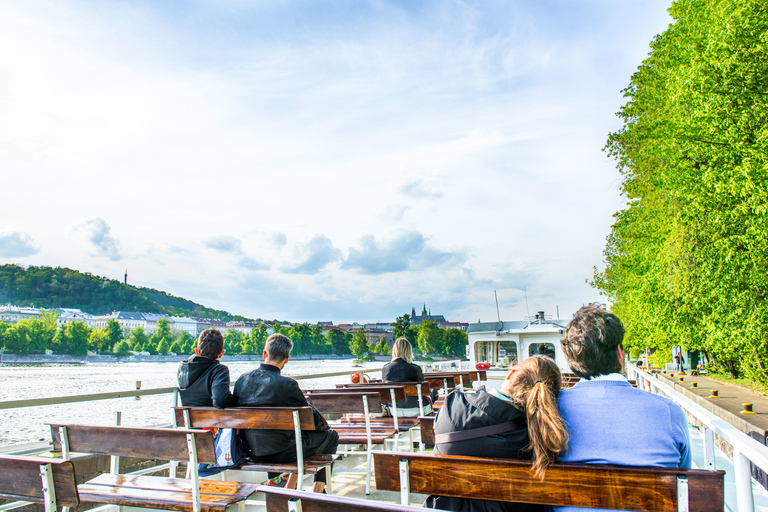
x,y
517,325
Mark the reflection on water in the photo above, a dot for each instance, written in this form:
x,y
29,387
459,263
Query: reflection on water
x,y
41,381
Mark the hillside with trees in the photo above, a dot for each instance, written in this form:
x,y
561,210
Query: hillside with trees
x,y
47,287
687,259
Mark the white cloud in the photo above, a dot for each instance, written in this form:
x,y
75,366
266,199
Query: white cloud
x,y
17,244
97,232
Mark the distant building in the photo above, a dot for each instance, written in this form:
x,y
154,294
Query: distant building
x,y
244,327
416,320
12,314
128,320
183,323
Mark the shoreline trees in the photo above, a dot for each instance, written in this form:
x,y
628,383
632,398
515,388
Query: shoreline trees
x,y
687,259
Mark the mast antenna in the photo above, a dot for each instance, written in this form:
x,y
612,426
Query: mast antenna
x,y
527,311
497,305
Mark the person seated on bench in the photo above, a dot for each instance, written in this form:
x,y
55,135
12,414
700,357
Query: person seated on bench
x,y
611,422
203,380
519,422
265,387
402,369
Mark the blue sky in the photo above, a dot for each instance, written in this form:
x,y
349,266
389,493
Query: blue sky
x,y
319,160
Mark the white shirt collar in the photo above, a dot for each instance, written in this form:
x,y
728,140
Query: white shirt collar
x,y
610,376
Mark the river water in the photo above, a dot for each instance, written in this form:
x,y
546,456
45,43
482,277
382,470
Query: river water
x,y
23,425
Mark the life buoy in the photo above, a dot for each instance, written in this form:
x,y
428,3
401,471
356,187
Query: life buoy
x,y
356,378
482,366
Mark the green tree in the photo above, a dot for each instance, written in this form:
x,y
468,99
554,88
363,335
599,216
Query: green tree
x,y
358,346
339,341
17,339
163,348
259,337
121,348
138,338
685,263
456,341
114,332
430,338
186,343
41,331
163,332
98,341
233,341
301,336
401,328
176,348
77,334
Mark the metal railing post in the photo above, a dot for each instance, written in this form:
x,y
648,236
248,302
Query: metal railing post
x,y
299,449
709,449
743,477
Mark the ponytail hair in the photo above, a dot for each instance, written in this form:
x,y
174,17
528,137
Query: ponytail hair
x,y
534,386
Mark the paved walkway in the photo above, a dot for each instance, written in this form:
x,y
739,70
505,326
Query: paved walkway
x,y
731,399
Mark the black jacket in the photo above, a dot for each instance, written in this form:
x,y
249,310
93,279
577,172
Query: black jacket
x,y
265,387
204,382
464,411
399,370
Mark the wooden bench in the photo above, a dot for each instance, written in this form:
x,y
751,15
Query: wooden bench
x,y
192,446
361,402
461,379
297,419
389,394
416,389
649,489
38,480
427,428
289,500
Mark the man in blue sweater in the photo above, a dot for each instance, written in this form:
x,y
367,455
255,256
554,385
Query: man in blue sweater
x,y
609,421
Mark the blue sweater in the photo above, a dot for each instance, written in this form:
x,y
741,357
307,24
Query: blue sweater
x,y
610,422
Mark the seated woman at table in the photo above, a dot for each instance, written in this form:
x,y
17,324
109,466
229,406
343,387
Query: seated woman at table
x,y
402,369
521,421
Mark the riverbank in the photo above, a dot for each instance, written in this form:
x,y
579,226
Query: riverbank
x,y
9,359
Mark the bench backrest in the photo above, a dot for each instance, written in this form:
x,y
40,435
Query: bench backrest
x,y
427,429
346,403
21,479
648,489
466,377
382,389
278,500
440,381
151,443
255,418
411,388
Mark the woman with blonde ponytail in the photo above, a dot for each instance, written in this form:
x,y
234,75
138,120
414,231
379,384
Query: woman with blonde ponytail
x,y
520,421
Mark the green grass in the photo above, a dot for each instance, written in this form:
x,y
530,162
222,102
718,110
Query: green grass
x,y
742,382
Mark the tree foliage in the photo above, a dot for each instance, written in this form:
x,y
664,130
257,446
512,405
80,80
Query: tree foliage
x,y
687,259
358,345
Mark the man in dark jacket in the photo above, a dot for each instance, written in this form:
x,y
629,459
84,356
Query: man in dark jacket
x,y
203,380
265,387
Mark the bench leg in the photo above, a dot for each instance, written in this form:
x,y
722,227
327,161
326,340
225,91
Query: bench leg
x,y
293,479
369,457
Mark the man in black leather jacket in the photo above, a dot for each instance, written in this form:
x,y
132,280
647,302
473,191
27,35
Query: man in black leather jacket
x,y
203,380
265,387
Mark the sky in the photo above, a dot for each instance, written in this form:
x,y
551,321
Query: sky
x,y
320,161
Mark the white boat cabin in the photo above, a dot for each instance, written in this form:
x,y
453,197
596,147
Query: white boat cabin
x,y
504,344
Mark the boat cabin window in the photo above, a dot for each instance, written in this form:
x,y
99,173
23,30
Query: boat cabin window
x,y
507,353
541,349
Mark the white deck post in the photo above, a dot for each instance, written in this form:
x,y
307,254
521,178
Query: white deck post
x,y
299,450
743,477
49,492
709,449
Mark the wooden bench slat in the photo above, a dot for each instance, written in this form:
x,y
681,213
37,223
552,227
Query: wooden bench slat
x,y
155,443
382,389
21,480
345,403
581,485
277,501
427,429
234,491
256,418
311,464
165,500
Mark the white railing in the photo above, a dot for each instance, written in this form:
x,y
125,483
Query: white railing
x,y
745,449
